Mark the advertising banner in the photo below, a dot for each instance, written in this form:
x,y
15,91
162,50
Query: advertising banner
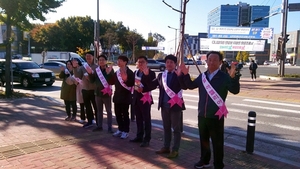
x,y
240,32
231,45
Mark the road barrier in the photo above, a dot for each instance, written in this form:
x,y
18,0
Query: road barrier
x,y
250,132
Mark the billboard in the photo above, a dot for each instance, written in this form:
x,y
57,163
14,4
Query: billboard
x,y
231,45
152,48
240,32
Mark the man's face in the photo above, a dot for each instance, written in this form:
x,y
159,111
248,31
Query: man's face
x,y
141,64
213,62
101,61
121,63
89,58
170,65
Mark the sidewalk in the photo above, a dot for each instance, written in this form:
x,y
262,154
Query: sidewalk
x,y
34,135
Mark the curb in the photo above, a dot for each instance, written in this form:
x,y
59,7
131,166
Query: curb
x,y
278,78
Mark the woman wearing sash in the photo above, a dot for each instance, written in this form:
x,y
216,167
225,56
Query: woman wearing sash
x,y
171,104
68,91
213,86
103,91
79,98
142,101
123,81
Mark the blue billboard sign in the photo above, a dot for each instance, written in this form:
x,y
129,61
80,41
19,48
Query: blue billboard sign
x,y
240,32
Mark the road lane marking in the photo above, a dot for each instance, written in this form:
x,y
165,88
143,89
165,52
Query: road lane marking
x,y
268,108
269,102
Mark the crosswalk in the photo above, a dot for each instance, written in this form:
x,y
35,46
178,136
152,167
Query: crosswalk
x,y
274,118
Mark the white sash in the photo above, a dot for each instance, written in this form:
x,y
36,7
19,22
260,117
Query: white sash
x,y
215,97
147,95
121,81
174,98
107,88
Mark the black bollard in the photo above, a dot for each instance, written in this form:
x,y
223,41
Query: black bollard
x,y
250,132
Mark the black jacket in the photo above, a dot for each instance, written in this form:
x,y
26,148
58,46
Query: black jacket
x,y
176,87
136,95
122,95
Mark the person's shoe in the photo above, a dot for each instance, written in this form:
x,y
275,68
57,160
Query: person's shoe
x,y
124,135
68,118
73,119
201,164
136,140
97,129
81,121
93,121
118,133
144,144
163,151
173,154
87,125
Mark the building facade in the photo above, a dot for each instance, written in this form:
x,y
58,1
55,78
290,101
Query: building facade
x,y
237,15
292,47
193,43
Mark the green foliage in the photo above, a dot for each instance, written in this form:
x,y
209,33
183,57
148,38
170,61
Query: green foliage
x,y
17,13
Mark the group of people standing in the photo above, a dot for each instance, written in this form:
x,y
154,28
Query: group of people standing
x,y
134,88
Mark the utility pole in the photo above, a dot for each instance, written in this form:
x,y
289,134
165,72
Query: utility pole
x,y
283,37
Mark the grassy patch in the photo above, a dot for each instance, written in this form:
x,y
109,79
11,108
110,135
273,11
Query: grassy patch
x,y
15,95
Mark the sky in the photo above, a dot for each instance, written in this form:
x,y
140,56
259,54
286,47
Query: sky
x,y
154,16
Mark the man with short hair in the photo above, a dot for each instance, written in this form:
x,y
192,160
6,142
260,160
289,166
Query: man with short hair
x,y
88,87
171,103
123,81
103,91
213,86
142,101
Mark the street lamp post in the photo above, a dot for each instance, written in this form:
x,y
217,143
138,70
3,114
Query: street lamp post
x,y
175,37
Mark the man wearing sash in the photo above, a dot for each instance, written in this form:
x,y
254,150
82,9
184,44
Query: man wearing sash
x,y
171,104
88,88
213,86
123,81
103,91
142,101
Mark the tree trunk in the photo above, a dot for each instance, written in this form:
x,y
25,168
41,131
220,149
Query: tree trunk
x,y
8,87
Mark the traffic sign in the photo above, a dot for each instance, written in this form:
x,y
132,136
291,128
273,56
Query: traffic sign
x,y
294,7
152,48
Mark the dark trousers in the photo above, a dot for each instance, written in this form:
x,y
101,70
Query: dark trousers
x,y
253,74
214,129
107,103
82,111
89,100
143,121
171,119
122,116
68,105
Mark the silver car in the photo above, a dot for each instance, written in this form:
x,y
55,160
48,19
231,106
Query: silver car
x,y
54,66
153,64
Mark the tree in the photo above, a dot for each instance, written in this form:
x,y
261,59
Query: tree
x,y
132,39
238,56
110,38
158,38
17,13
245,56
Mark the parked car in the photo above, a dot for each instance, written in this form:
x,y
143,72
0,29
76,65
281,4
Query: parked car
x,y
81,60
53,66
153,64
270,63
161,60
27,73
